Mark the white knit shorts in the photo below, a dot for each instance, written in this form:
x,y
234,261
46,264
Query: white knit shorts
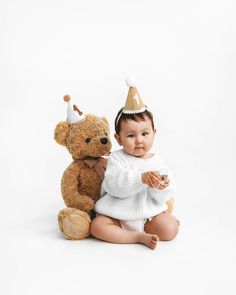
x,y
134,225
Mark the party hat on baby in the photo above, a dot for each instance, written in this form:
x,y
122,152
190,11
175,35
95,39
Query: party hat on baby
x,y
134,103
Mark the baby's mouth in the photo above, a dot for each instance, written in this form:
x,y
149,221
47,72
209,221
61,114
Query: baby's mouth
x,y
138,147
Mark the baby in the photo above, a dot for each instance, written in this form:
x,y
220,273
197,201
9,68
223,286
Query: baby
x,y
136,184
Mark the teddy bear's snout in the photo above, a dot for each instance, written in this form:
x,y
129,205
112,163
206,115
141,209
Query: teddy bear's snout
x,y
104,140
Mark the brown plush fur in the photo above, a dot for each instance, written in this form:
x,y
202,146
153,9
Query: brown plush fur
x,y
80,184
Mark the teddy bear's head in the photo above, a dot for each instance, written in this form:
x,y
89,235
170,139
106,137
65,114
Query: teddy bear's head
x,y
89,138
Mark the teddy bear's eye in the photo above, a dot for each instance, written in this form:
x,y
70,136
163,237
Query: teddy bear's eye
x,y
87,140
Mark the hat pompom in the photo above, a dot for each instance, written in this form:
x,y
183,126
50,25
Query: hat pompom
x,y
67,98
131,82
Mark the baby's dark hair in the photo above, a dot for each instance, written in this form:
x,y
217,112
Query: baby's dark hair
x,y
135,117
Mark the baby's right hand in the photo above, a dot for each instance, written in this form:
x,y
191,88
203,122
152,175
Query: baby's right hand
x,y
151,178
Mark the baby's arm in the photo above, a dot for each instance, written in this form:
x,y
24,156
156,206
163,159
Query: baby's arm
x,y
120,181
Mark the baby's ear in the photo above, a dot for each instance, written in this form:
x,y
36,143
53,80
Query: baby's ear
x,y
117,137
61,132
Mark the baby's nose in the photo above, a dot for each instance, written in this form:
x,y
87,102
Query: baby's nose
x,y
139,139
104,140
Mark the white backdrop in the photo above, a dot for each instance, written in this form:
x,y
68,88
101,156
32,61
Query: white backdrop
x,y
183,54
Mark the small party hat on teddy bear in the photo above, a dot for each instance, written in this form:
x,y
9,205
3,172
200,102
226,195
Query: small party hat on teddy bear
x,y
74,115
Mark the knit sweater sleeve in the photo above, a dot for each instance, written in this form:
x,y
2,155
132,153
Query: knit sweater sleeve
x,y
120,181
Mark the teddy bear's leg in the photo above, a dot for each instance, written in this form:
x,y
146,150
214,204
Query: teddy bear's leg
x,y
74,223
170,204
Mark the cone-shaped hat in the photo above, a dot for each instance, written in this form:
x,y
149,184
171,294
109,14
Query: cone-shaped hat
x,y
74,115
134,103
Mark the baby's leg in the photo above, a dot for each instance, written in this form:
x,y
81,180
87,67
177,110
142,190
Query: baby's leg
x,y
164,225
110,230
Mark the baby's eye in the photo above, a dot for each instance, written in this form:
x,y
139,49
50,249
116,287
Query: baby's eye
x,y
145,133
130,135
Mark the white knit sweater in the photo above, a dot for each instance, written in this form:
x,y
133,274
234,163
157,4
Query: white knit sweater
x,y
124,195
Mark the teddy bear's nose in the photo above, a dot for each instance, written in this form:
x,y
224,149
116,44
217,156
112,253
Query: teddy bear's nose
x,y
104,140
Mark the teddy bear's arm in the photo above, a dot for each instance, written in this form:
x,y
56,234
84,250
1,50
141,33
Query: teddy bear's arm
x,y
70,190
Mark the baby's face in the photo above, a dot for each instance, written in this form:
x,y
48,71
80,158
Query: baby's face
x,y
136,137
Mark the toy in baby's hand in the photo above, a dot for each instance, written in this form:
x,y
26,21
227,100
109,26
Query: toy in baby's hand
x,y
163,175
86,137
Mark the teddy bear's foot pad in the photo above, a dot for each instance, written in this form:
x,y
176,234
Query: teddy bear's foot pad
x,y
74,223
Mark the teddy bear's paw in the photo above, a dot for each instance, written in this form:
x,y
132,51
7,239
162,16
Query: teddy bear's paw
x,y
170,204
74,223
89,205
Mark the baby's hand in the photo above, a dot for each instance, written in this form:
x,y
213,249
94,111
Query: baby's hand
x,y
154,180
150,178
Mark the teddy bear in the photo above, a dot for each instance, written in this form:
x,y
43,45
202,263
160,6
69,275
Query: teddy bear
x,y
86,138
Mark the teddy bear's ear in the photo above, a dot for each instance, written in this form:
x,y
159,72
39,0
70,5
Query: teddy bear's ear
x,y
61,132
106,121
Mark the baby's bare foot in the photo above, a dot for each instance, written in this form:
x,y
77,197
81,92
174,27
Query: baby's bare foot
x,y
150,240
